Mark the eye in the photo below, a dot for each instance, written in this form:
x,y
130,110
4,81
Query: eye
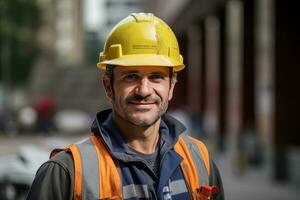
x,y
156,77
130,77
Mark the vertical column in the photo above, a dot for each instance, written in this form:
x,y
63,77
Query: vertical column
x,y
46,33
223,81
234,37
264,83
211,117
194,57
78,32
69,33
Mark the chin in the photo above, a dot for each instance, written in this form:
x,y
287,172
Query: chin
x,y
143,122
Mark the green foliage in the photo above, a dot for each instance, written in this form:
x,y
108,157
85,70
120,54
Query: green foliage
x,y
19,20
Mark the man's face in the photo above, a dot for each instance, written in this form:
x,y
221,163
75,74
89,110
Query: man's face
x,y
140,95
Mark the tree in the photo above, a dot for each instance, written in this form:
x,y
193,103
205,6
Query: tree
x,y
19,21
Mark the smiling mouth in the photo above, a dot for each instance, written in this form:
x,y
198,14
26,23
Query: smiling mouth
x,y
141,103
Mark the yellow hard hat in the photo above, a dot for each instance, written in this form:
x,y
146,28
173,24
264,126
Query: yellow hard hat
x,y
141,39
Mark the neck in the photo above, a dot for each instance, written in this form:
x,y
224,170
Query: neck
x,y
141,139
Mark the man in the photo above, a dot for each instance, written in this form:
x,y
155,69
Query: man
x,y
135,151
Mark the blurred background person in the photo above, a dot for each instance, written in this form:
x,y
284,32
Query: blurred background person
x,y
45,108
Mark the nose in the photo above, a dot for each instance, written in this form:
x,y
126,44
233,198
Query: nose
x,y
143,88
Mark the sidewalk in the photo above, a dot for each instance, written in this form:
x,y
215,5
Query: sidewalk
x,y
11,145
255,184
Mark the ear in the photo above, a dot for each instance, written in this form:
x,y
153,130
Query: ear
x,y
173,83
107,87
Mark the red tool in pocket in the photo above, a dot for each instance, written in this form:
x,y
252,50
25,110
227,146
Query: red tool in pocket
x,y
206,192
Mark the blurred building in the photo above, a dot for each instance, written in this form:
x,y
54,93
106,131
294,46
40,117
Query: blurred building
x,y
118,9
61,71
242,61
71,37
58,69
100,17
61,31
115,10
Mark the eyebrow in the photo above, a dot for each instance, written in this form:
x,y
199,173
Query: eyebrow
x,y
160,72
138,72
130,72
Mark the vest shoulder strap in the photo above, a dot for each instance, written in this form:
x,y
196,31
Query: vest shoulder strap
x,y
195,164
102,183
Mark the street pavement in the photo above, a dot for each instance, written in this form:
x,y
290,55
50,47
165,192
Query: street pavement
x,y
11,145
255,183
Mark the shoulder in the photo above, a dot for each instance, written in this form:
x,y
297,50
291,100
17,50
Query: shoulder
x,y
63,159
52,176
60,166
192,149
199,147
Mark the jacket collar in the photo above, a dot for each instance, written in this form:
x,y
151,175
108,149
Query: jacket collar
x,y
104,126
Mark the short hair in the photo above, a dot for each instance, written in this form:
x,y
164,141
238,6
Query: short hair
x,y
109,70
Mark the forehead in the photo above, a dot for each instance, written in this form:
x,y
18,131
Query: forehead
x,y
141,69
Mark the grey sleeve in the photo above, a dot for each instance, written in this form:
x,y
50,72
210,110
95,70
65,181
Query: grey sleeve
x,y
215,179
54,180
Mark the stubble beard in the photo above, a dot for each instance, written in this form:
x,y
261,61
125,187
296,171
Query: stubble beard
x,y
146,122
135,120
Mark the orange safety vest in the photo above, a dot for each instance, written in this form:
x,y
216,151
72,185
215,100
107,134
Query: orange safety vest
x,y
106,184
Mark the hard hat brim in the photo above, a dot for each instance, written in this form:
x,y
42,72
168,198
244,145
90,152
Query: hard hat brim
x,y
143,60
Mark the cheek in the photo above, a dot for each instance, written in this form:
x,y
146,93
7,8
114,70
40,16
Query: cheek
x,y
164,93
121,94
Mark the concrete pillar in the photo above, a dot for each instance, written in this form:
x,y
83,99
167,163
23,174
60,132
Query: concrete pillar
x,y
264,83
234,37
78,33
69,33
194,69
223,82
211,115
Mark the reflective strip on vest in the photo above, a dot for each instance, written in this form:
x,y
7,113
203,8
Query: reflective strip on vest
x,y
197,157
139,191
96,175
91,179
178,187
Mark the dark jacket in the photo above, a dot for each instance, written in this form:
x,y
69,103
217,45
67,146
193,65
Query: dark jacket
x,y
55,178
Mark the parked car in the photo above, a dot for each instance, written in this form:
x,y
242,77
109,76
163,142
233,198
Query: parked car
x,y
17,171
